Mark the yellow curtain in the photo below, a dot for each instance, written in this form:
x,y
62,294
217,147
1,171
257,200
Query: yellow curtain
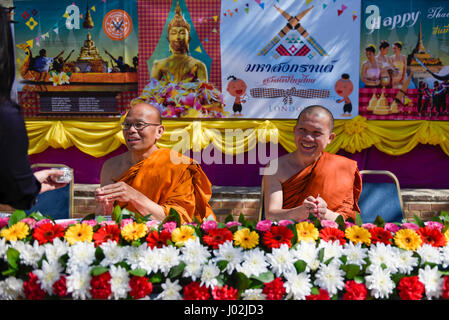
x,y
98,138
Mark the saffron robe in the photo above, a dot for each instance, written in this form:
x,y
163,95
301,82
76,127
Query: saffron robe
x,y
335,178
181,186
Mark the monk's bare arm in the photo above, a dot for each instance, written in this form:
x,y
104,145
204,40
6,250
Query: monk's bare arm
x,y
273,199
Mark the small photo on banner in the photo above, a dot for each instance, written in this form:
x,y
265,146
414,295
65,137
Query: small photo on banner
x,y
76,57
404,60
278,57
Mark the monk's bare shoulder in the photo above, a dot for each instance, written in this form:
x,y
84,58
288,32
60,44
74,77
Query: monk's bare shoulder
x,y
114,167
274,172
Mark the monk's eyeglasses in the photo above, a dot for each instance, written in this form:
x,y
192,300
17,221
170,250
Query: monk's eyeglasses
x,y
137,125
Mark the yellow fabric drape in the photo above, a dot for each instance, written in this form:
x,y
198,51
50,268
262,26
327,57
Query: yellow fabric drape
x,y
98,138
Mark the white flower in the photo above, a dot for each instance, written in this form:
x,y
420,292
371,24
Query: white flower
x,y
253,294
380,283
55,250
354,253
3,248
119,282
78,283
193,250
330,277
407,262
445,256
432,280
429,253
169,257
297,286
133,255
48,274
227,252
11,288
254,263
149,259
193,270
170,291
332,250
112,253
30,254
381,255
209,275
306,251
81,255
281,260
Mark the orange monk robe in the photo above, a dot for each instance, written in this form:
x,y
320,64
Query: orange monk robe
x,y
335,178
181,186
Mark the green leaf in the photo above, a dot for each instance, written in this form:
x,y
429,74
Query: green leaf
x,y
100,219
12,255
315,290
90,216
37,216
321,255
222,264
341,222
264,277
138,272
379,221
351,271
97,270
229,218
16,216
117,215
240,281
242,219
176,271
156,278
173,215
418,221
300,266
358,219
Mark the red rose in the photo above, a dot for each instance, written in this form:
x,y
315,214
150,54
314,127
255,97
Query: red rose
x,y
355,291
322,295
32,288
193,291
140,287
60,287
277,236
46,232
274,290
410,288
100,286
215,237
105,233
154,239
224,293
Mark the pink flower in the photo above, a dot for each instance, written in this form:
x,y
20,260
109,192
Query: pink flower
x,y
30,222
349,224
65,224
169,226
284,223
329,224
152,224
126,221
4,222
434,225
368,225
43,221
392,227
408,225
208,225
231,224
107,223
91,222
264,225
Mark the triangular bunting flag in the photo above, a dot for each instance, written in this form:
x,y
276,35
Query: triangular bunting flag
x,y
246,10
308,1
339,12
65,15
198,49
56,30
30,43
215,18
354,17
262,5
324,6
214,30
343,7
38,41
93,8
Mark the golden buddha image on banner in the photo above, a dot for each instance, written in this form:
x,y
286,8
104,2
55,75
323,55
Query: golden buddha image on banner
x,y
76,57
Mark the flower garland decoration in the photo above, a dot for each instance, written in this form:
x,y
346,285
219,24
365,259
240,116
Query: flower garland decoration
x,y
132,257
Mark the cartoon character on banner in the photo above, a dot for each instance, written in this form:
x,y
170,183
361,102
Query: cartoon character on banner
x,y
344,87
237,89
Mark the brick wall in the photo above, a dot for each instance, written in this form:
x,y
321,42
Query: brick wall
x,y
425,203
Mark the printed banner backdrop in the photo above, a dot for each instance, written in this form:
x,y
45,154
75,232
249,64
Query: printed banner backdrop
x,y
310,64
281,56
416,32
76,57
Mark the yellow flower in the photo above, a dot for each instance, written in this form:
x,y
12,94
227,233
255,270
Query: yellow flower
x,y
246,239
306,231
407,239
446,234
358,234
182,234
16,232
134,231
78,233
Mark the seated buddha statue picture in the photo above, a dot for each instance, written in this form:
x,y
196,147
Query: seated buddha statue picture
x,y
178,83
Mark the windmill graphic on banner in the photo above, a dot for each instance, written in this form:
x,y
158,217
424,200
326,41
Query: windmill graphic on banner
x,y
299,43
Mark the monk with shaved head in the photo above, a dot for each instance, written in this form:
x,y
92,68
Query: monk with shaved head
x,y
310,180
146,180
